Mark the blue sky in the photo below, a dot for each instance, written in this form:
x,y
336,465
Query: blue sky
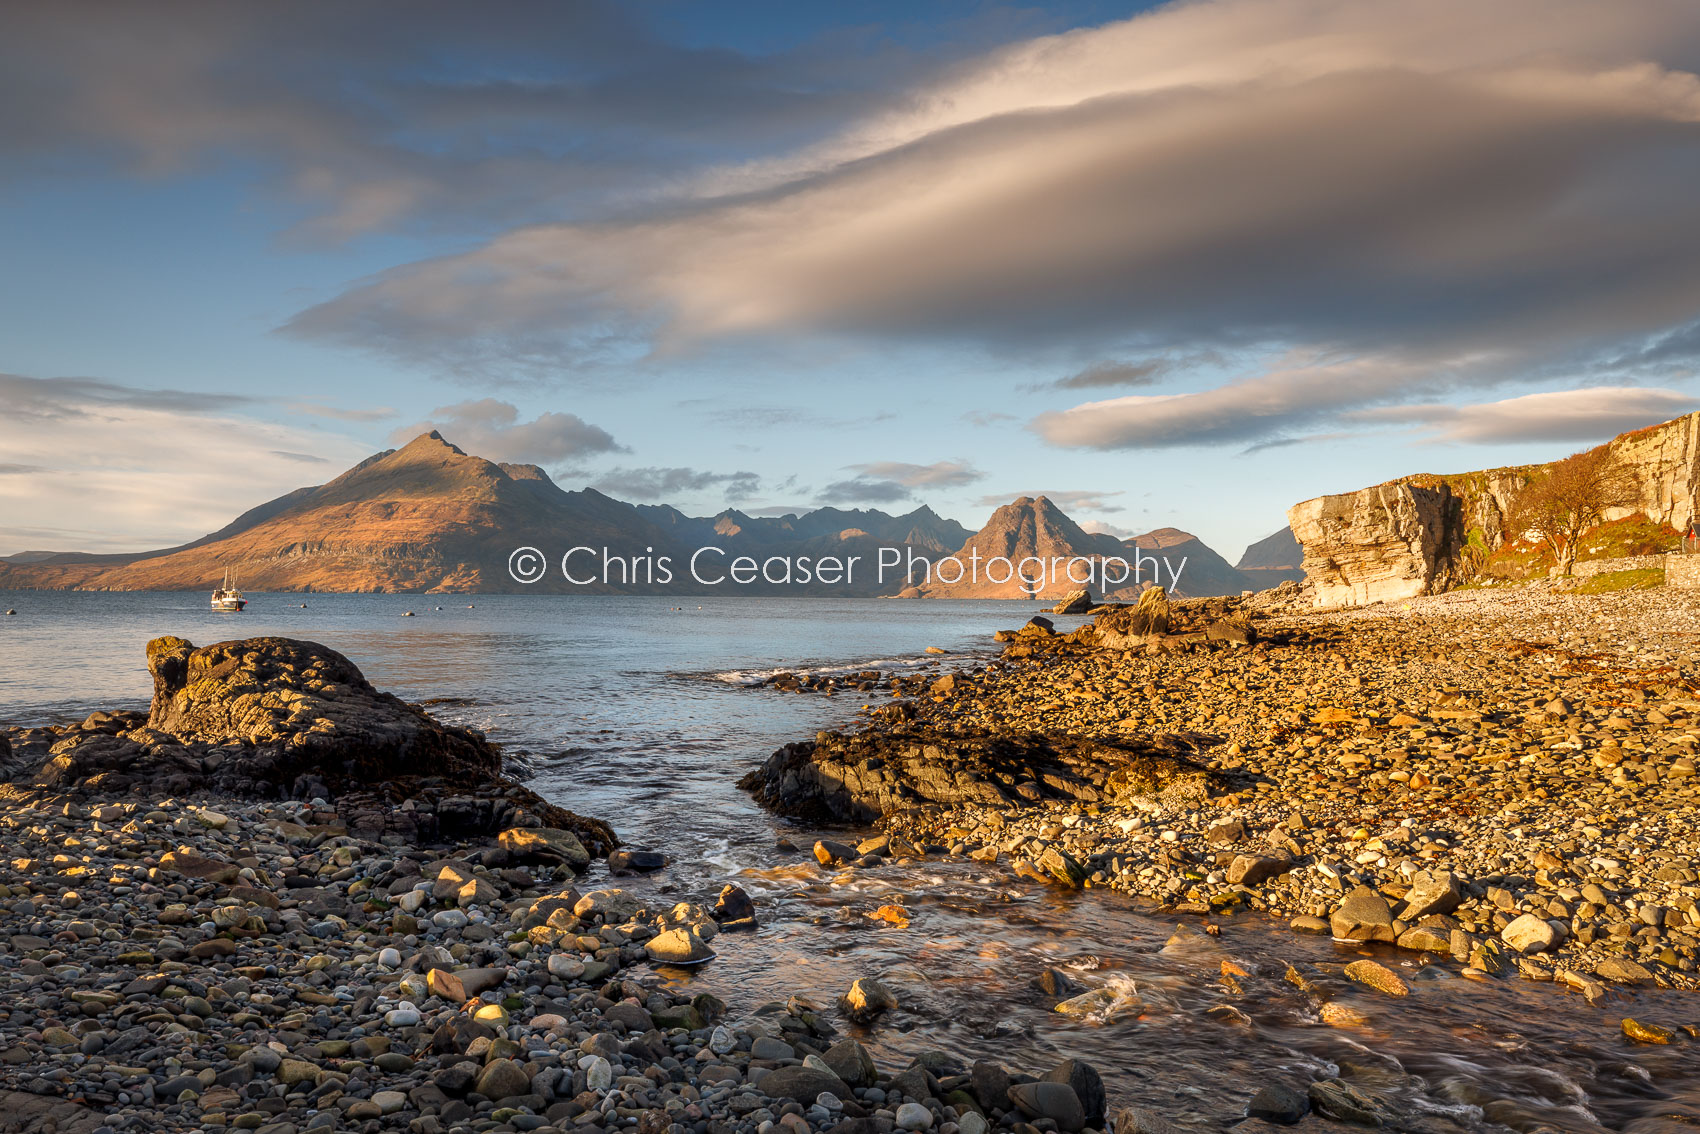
x,y
1174,266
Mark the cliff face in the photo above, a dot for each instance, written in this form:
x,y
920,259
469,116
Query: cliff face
x,y
1404,538
1379,544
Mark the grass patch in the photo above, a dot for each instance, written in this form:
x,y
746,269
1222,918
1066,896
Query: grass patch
x,y
1632,535
1610,581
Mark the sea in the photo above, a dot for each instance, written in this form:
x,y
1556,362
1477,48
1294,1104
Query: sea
x,y
645,711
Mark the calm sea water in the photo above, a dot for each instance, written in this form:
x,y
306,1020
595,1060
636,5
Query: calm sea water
x,y
645,713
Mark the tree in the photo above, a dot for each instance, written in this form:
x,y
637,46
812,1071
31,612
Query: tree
x,y
1570,497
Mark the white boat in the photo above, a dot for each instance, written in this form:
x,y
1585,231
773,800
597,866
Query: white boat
x,y
227,596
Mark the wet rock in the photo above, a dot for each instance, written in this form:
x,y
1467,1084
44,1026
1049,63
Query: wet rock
x,y
1054,982
830,853
867,999
1336,1099
636,861
1087,1084
547,845
1275,1103
1062,867
1378,976
733,909
1647,1033
989,1083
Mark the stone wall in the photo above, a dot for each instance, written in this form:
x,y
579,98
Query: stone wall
x,y
1682,570
1587,568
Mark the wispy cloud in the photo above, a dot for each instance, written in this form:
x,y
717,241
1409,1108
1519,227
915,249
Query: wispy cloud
x,y
939,474
658,483
865,490
92,450
25,397
1593,414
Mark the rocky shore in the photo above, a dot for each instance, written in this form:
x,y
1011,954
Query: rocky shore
x,y
283,901
1503,780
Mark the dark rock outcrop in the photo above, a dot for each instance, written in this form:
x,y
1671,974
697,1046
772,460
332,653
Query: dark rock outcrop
x,y
278,717
860,777
298,708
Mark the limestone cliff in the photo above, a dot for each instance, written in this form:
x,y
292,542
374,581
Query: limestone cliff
x,y
1408,537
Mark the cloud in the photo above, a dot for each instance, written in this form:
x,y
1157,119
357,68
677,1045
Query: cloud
x,y
1144,372
336,413
1083,500
656,483
987,417
491,428
1115,374
1372,177
939,474
136,472
863,490
385,115
1301,392
1593,414
22,396
1099,527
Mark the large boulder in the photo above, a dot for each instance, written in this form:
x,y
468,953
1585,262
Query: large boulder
x,y
299,708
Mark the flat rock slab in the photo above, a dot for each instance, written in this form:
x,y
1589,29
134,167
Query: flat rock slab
x,y
860,777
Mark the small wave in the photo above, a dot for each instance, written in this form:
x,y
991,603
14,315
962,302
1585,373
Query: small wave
x,y
759,676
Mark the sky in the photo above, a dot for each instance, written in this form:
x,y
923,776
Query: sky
x,y
1179,265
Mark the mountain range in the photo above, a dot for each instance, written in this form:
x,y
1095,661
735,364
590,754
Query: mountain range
x,y
429,517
